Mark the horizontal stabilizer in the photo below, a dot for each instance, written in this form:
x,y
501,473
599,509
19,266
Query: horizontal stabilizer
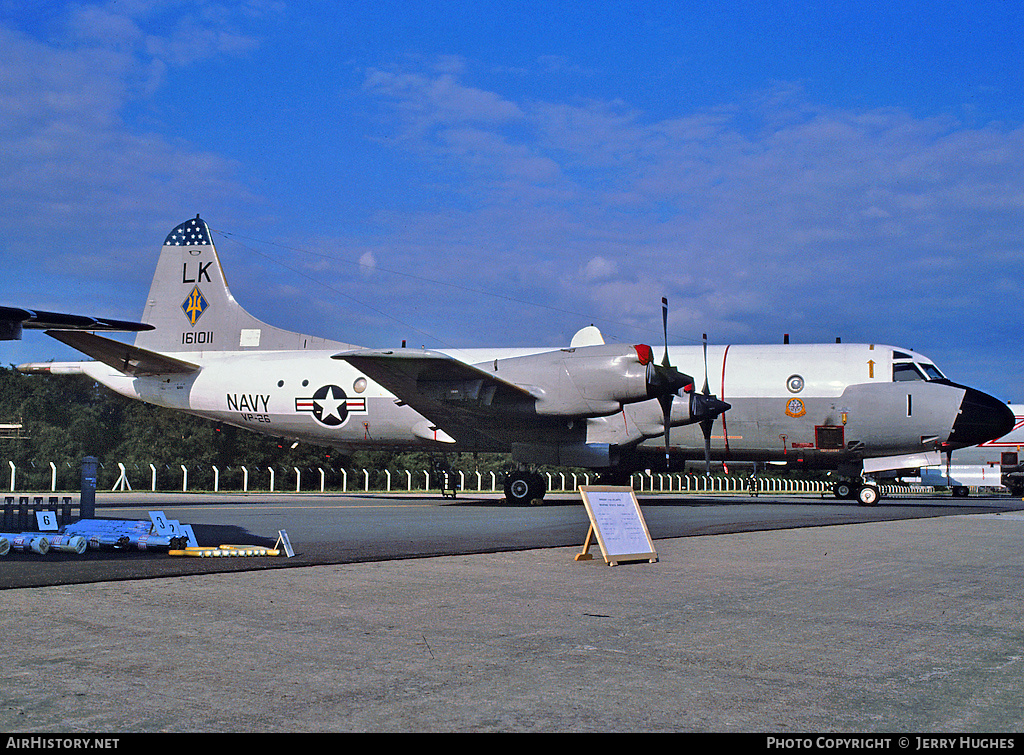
x,y
13,319
123,357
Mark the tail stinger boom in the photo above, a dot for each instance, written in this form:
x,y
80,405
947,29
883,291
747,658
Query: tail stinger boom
x,y
192,308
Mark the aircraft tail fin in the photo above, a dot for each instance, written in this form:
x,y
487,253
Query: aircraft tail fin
x,y
192,308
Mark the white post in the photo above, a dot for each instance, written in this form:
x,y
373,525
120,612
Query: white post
x,y
153,485
494,482
271,470
122,481
366,481
344,481
298,479
388,473
408,479
321,479
184,479
12,475
216,480
479,481
245,479
53,477
426,484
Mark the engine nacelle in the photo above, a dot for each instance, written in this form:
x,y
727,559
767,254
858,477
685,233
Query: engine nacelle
x,y
646,420
589,381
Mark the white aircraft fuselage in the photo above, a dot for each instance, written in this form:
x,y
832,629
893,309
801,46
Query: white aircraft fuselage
x,y
818,402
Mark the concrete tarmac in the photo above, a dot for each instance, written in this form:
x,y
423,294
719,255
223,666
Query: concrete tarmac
x,y
891,626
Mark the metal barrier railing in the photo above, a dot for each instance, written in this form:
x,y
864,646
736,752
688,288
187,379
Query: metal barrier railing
x,y
246,478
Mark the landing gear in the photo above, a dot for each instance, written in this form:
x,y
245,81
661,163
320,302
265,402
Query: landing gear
x,y
843,489
866,494
523,487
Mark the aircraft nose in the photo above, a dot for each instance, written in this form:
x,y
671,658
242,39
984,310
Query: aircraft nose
x,y
981,418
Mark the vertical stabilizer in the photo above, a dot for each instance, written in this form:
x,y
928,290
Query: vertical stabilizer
x,y
192,309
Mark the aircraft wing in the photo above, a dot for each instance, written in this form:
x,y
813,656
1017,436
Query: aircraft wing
x,y
123,357
13,319
468,403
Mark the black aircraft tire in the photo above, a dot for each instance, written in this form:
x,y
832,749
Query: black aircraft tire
x,y
843,490
517,489
868,495
524,488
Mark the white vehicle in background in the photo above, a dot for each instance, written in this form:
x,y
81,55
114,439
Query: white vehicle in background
x,y
993,464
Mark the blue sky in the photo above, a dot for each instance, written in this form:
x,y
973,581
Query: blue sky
x,y
505,173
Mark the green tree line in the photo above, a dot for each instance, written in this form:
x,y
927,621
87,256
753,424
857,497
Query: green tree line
x,y
65,418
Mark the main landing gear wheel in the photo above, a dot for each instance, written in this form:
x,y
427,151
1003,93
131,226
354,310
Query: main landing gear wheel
x,y
865,495
525,487
843,490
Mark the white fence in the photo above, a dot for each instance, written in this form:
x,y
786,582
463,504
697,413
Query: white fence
x,y
386,480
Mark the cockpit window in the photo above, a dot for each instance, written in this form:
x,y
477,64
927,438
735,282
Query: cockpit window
x,y
905,371
915,371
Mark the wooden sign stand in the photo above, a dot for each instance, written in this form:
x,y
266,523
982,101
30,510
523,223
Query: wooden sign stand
x,y
616,520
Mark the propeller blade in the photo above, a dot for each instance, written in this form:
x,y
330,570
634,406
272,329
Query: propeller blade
x,y
664,328
706,390
673,382
708,406
666,409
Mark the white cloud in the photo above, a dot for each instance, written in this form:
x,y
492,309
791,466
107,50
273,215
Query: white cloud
x,y
367,264
74,158
425,100
599,268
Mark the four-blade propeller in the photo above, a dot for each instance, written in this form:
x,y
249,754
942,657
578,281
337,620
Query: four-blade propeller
x,y
664,382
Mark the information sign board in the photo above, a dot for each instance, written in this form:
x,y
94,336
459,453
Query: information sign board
x,y
616,519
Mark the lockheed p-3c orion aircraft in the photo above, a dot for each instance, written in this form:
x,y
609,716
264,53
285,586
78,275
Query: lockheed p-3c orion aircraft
x,y
613,408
